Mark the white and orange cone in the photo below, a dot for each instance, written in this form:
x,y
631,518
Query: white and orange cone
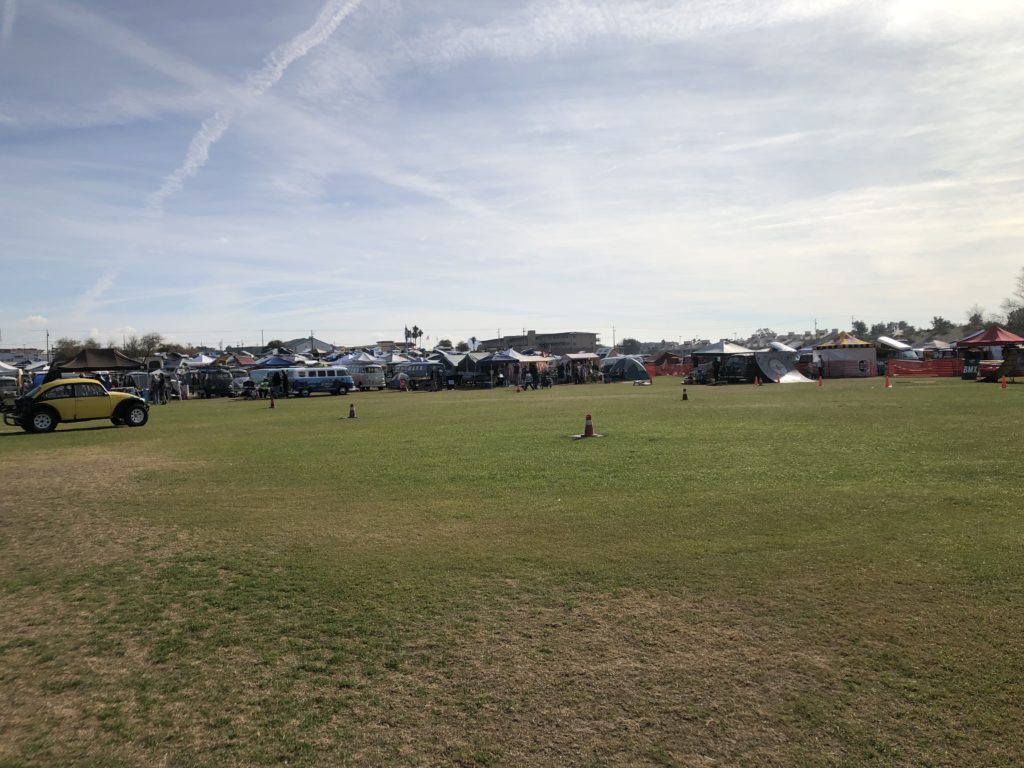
x,y
352,411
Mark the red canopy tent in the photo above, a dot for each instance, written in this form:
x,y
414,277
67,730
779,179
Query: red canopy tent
x,y
993,336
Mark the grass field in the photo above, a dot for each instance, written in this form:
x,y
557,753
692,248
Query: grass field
x,y
783,576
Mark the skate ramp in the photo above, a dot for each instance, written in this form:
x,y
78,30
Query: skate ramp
x,y
780,367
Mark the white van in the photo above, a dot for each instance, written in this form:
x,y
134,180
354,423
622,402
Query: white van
x,y
367,375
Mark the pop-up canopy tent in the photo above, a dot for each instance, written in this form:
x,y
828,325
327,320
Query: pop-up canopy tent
x,y
846,356
101,360
721,348
993,336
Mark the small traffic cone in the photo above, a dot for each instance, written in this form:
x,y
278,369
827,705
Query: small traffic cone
x,y
821,381
1002,382
757,381
272,402
778,379
888,382
685,396
352,411
588,429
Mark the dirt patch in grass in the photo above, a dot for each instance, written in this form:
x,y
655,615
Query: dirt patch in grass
x,y
65,510
624,679
64,532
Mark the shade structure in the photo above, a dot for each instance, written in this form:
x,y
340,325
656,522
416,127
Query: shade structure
x,y
844,341
101,360
722,347
993,336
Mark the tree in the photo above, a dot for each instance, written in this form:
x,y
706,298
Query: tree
x,y
273,344
472,343
415,333
1014,306
941,326
859,328
64,349
1016,299
975,318
445,343
151,342
630,347
462,347
1015,320
878,329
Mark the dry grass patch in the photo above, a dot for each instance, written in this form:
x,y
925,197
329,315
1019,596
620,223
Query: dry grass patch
x,y
596,679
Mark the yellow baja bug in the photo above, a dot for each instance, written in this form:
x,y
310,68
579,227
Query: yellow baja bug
x,y
43,408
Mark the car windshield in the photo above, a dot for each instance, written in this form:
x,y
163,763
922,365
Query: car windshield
x,y
34,391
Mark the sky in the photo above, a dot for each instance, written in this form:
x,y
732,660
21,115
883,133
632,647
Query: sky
x,y
244,170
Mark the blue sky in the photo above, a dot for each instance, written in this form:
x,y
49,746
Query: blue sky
x,y
221,171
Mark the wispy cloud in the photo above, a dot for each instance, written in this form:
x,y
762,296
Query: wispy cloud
x,y
87,301
7,15
214,127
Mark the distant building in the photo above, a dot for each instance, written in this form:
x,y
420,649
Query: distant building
x,y
562,343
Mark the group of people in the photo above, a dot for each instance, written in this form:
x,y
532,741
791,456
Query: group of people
x,y
158,388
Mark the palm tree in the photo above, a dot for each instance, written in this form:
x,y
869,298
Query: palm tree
x,y
472,342
415,332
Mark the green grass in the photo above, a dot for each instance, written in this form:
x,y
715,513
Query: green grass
x,y
778,576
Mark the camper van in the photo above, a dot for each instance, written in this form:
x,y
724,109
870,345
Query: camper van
x,y
367,375
306,381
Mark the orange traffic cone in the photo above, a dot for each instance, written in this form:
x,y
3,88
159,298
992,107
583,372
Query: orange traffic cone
x,y
352,411
888,382
821,382
1002,382
272,402
757,381
588,429
778,379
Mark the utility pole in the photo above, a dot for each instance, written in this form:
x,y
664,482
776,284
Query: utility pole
x,y
48,345
262,345
613,337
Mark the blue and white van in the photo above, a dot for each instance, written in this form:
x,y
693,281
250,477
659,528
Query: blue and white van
x,y
306,381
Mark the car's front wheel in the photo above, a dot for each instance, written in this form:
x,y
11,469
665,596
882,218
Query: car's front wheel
x,y
43,420
136,415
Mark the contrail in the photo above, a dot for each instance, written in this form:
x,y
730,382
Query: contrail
x,y
10,10
333,13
